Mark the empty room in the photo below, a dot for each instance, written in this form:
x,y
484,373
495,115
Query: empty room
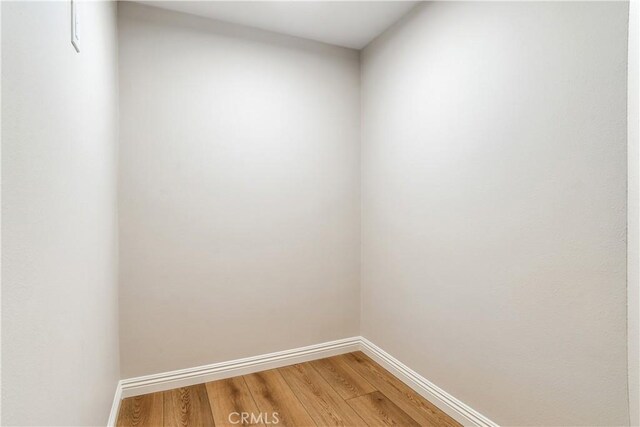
x,y
320,213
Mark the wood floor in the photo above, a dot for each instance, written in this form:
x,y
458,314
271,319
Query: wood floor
x,y
346,390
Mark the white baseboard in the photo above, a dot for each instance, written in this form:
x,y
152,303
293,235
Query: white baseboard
x,y
115,406
233,368
217,371
455,408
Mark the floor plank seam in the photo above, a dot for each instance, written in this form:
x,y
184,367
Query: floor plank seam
x,y
299,401
349,389
334,389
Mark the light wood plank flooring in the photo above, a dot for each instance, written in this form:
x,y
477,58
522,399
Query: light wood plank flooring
x,y
346,390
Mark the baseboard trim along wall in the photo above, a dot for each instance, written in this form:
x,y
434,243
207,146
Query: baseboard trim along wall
x,y
217,371
455,408
115,406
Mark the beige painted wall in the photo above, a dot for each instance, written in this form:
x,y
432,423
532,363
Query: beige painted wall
x,y
239,191
493,201
633,212
59,224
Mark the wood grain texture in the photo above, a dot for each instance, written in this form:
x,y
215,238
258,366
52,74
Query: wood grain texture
x,y
378,410
272,394
420,409
141,411
346,390
322,402
187,406
230,397
347,382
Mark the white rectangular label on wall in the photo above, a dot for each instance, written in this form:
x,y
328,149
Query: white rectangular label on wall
x,y
75,25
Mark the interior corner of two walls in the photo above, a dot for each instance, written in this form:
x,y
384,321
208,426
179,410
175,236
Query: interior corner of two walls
x,y
462,180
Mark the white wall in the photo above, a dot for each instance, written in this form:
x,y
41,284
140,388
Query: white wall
x,y
239,191
493,201
633,213
59,225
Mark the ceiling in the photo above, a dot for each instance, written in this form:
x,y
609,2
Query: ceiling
x,y
350,24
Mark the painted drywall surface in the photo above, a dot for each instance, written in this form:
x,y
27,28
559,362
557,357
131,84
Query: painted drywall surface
x,y
494,205
350,24
59,224
633,213
239,191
